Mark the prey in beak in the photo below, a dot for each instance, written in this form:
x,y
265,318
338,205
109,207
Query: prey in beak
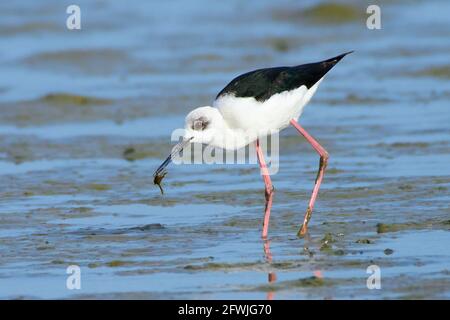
x,y
161,172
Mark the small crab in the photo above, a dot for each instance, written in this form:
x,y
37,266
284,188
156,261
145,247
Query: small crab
x,y
158,177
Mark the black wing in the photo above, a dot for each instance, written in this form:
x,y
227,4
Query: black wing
x,y
263,83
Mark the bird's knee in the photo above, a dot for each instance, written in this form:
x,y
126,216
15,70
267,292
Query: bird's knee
x,y
269,192
324,159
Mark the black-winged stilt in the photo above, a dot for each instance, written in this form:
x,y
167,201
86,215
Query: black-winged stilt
x,y
259,101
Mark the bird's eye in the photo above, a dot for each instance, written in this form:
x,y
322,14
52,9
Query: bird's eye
x,y
200,124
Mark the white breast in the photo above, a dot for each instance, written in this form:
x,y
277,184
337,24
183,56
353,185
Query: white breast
x,y
273,114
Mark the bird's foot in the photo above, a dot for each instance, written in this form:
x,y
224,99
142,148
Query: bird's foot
x,y
304,227
302,232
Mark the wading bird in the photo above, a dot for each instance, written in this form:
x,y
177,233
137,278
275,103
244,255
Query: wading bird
x,y
259,101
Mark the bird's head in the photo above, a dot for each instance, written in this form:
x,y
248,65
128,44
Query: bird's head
x,y
202,125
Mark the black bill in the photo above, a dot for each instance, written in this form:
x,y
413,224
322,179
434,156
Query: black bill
x,y
161,172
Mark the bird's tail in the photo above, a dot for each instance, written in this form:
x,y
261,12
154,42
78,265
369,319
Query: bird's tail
x,y
312,72
338,58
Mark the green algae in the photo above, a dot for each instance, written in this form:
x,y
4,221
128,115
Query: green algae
x,y
326,243
394,227
81,210
328,238
339,252
334,171
354,99
279,44
427,224
333,13
98,186
72,99
118,263
364,241
28,28
241,222
406,187
85,61
93,265
322,13
308,282
211,266
440,72
135,153
45,247
148,227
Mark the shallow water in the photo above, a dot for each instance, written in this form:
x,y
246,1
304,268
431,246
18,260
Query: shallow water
x,y
86,117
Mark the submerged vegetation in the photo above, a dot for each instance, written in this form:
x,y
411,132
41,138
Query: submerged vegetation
x,y
72,99
323,13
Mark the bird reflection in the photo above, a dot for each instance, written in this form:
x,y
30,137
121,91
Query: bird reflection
x,y
272,277
317,272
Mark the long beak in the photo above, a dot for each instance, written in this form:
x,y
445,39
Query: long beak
x,y
176,149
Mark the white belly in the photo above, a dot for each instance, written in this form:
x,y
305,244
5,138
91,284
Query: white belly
x,y
273,114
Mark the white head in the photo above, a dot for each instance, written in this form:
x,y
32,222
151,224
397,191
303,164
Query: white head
x,y
204,125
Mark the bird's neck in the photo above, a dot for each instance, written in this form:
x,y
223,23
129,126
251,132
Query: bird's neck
x,y
232,138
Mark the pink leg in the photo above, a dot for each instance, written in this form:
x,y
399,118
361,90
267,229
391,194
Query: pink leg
x,y
322,166
272,277
269,189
